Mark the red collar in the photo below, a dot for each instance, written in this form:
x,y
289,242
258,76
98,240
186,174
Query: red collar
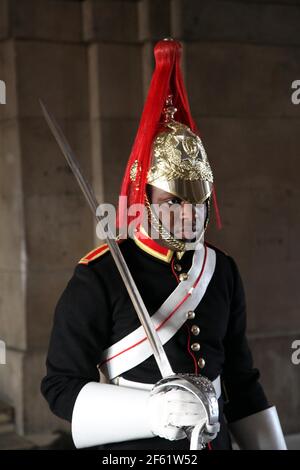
x,y
150,246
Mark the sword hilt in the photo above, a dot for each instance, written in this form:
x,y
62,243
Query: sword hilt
x,y
202,388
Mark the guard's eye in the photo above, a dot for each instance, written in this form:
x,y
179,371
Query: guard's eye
x,y
174,200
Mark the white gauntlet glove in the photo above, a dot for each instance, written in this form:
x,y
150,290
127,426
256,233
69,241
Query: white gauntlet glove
x,y
105,413
170,411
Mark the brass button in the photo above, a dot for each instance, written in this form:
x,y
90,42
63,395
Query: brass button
x,y
177,267
183,276
201,363
190,315
195,330
195,347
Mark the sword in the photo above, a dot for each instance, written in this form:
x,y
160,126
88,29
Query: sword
x,y
138,303
199,386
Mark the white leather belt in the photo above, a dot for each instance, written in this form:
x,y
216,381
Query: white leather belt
x,y
134,348
140,385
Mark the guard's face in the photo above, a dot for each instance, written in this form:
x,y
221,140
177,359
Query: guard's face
x,y
184,220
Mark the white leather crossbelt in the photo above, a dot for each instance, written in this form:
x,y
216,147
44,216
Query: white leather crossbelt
x,y
134,348
142,386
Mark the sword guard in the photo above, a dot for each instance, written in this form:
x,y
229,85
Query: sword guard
x,y
202,388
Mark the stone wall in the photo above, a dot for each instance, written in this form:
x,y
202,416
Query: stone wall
x,y
91,63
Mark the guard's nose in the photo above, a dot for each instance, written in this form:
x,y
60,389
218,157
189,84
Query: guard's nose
x,y
187,210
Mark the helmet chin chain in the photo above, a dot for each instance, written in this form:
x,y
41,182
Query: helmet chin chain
x,y
167,237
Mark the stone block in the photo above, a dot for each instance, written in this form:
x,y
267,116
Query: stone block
x,y
97,157
118,91
44,289
148,63
37,415
12,251
44,169
241,150
117,136
241,80
59,231
154,20
11,388
4,20
57,74
12,308
10,174
20,382
11,441
249,22
110,21
8,76
256,182
57,21
11,204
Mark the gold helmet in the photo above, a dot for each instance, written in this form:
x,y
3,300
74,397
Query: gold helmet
x,y
179,162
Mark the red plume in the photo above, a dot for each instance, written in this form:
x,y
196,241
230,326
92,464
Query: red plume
x,y
166,80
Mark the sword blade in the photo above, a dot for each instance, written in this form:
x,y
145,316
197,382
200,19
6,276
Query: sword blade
x,y
134,294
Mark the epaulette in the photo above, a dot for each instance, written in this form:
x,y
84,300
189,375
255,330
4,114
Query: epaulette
x,y
94,254
216,248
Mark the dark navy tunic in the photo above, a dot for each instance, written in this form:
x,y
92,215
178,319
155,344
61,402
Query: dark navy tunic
x,y
95,311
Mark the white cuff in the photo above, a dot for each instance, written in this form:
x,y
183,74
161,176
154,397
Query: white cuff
x,y
260,431
106,413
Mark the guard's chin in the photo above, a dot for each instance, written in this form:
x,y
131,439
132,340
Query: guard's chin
x,y
189,240
190,236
